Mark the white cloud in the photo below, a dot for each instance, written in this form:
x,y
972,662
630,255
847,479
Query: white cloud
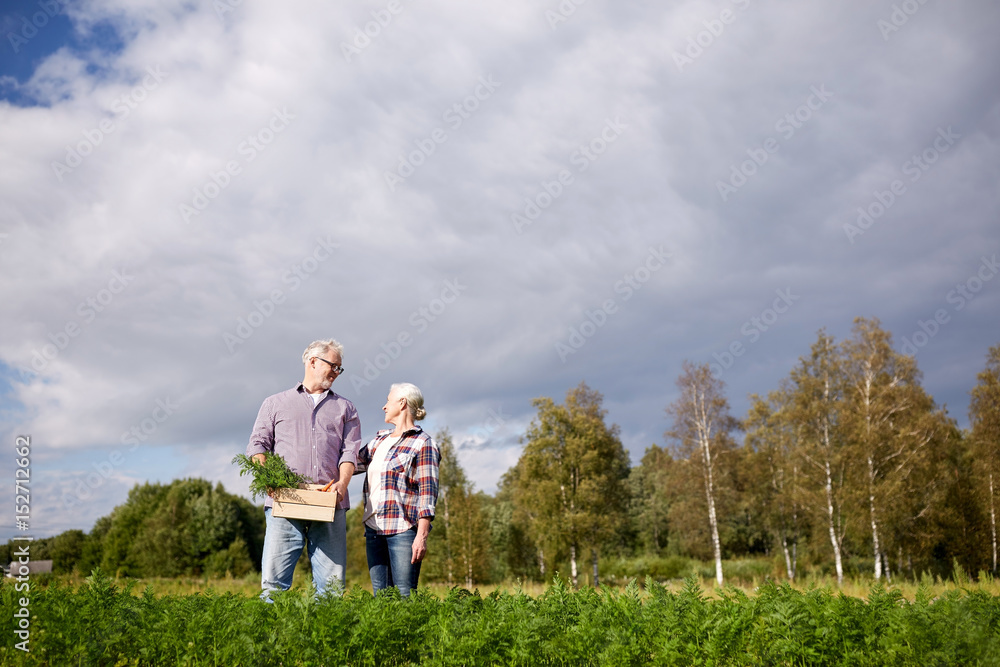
x,y
322,174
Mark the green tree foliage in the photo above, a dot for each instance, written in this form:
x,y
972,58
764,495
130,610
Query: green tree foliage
x,y
649,506
774,467
66,550
185,527
516,555
952,527
570,489
92,552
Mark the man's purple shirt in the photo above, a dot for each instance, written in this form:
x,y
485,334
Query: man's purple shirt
x,y
313,439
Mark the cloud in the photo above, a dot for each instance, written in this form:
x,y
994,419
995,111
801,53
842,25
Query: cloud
x,y
231,168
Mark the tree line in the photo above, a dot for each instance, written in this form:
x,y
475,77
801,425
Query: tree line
x,y
187,527
848,467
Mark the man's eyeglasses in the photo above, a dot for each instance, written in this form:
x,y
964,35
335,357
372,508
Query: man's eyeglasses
x,y
336,369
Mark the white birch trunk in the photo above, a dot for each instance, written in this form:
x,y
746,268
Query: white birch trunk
x,y
789,567
993,524
468,544
572,564
448,558
838,561
795,545
871,508
712,518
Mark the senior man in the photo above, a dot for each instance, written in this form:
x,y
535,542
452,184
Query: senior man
x,y
318,433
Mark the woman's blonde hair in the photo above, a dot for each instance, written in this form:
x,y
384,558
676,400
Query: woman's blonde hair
x,y
414,399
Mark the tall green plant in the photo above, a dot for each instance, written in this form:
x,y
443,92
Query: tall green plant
x,y
268,476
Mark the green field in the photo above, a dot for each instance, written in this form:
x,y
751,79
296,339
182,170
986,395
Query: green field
x,y
104,622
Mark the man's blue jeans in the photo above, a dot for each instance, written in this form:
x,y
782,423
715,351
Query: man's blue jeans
x,y
283,543
389,560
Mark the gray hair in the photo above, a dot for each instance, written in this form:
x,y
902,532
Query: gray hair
x,y
318,348
414,399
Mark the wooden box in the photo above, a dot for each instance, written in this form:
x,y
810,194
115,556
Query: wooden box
x,y
306,502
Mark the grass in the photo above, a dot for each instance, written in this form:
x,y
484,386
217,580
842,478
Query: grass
x,y
102,621
249,586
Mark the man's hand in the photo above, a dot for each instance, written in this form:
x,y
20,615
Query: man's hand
x,y
340,488
259,458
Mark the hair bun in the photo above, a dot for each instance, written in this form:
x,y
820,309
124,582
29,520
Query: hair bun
x,y
419,413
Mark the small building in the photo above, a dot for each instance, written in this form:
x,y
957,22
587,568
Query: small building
x,y
34,567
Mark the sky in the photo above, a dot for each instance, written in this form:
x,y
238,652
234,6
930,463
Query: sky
x,y
494,201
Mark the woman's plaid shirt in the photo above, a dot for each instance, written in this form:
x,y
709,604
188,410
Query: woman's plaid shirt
x,y
409,481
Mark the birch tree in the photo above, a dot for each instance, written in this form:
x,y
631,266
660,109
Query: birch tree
x,y
888,418
815,390
984,417
701,427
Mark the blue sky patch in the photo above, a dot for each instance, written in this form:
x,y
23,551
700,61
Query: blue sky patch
x,y
34,30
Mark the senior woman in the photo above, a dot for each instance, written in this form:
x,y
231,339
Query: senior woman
x,y
400,492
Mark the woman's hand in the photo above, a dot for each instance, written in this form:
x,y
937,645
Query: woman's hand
x,y
420,541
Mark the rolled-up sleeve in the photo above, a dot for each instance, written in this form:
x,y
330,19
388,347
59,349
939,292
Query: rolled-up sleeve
x,y
262,436
425,473
351,437
364,458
